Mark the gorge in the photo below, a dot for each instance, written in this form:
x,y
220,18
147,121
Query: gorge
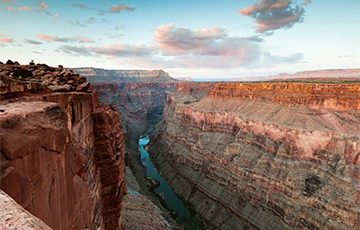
x,y
270,155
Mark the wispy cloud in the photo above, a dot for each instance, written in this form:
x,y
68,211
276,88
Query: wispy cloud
x,y
75,50
25,8
42,7
116,36
274,60
7,0
11,10
254,38
119,27
120,7
270,15
80,5
29,41
6,39
83,24
75,38
120,50
82,39
53,19
45,37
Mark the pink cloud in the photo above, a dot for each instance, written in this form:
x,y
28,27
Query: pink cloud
x,y
25,8
83,39
5,39
11,9
270,15
54,18
204,42
45,37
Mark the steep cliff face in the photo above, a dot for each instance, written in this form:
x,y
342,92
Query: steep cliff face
x,y
139,104
264,156
54,161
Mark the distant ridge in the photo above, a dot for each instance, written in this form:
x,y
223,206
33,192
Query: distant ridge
x,y
97,75
328,74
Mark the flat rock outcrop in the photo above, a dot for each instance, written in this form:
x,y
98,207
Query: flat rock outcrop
x,y
264,156
54,160
14,216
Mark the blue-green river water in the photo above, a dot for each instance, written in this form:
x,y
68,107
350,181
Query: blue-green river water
x,y
185,216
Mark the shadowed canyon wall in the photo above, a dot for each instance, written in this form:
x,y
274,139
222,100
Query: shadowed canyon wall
x,y
263,155
58,148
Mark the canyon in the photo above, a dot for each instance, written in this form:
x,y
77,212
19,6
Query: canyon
x,y
269,155
263,155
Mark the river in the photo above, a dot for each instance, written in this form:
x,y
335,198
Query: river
x,y
185,216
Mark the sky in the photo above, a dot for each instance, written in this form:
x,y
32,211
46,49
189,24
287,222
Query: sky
x,y
201,39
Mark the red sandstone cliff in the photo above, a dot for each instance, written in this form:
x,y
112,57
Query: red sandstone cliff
x,y
264,156
58,149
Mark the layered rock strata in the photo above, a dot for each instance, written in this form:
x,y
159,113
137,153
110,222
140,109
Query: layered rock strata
x,y
54,161
97,75
328,74
264,156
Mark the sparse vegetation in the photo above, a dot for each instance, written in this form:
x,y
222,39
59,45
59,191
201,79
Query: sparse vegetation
x,y
22,74
32,62
61,66
42,64
9,62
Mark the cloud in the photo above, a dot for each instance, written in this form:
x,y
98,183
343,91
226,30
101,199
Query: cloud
x,y
6,39
29,41
120,7
274,60
116,36
42,7
36,52
54,18
10,9
254,38
75,50
174,47
270,15
83,39
7,0
119,27
123,50
117,50
45,37
204,42
80,5
84,24
76,38
25,8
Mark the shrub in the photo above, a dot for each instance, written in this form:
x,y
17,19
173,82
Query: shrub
x,y
9,62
